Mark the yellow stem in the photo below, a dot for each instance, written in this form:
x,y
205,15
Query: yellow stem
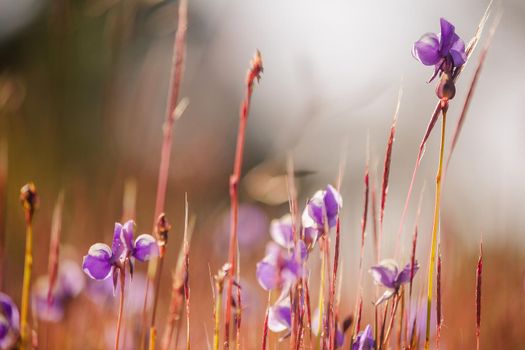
x,y
435,227
28,266
218,302
152,337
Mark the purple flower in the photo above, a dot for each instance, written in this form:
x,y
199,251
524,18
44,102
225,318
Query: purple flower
x,y
281,231
9,322
444,51
364,340
388,275
101,260
281,268
70,283
321,213
280,316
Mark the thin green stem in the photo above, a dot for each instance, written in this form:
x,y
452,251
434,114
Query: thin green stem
x,y
435,227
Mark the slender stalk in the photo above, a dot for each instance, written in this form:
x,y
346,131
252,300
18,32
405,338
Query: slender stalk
x,y
265,327
439,320
217,315
392,318
28,197
435,227
28,267
253,73
177,68
121,305
479,271
321,295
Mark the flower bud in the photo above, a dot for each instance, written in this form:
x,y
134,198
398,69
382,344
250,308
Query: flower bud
x,y
29,200
446,90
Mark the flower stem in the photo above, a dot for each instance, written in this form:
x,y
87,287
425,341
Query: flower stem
x,y
253,73
28,267
435,226
217,314
121,305
321,299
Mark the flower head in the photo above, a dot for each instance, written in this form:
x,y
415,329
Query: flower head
x,y
321,213
280,316
69,284
102,260
444,50
280,268
388,275
364,340
9,322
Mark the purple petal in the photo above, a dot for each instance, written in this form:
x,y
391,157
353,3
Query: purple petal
x,y
118,246
404,275
281,231
97,264
70,278
389,293
267,275
9,310
301,251
457,51
333,203
385,273
128,231
426,49
146,247
280,316
447,37
51,312
364,340
339,338
315,208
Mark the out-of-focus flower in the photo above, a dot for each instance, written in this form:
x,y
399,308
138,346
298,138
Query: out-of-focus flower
x,y
69,284
281,231
364,340
388,275
316,329
280,316
281,268
101,260
9,322
252,228
321,212
102,293
444,50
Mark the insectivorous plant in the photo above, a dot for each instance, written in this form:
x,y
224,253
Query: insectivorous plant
x,y
446,52
102,261
388,275
9,322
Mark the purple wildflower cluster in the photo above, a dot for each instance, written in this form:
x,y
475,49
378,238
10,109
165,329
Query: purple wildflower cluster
x,y
285,260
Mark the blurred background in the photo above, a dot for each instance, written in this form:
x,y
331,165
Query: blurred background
x,y
83,88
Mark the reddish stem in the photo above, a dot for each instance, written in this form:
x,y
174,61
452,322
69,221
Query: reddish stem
x,y
253,73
